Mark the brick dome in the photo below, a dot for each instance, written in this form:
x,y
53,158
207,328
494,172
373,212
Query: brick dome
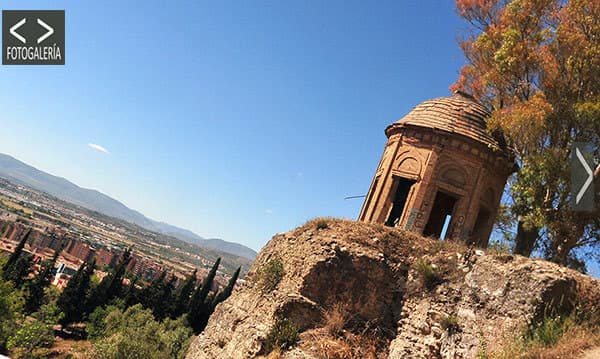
x,y
441,173
457,114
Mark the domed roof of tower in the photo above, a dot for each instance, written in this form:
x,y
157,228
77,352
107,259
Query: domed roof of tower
x,y
460,114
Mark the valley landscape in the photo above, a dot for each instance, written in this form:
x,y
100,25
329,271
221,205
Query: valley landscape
x,y
428,174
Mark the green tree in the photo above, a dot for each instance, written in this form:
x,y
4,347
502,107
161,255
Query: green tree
x,y
8,270
134,333
11,305
36,288
159,296
131,294
20,270
182,298
111,286
71,300
536,65
200,308
226,292
35,334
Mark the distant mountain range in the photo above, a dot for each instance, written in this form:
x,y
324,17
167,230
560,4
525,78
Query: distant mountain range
x,y
19,172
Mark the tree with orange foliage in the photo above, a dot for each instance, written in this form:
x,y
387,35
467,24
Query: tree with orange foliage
x,y
536,65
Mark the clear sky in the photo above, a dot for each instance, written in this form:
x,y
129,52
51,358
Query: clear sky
x,y
236,120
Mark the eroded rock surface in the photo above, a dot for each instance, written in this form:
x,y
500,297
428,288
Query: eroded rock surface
x,y
478,301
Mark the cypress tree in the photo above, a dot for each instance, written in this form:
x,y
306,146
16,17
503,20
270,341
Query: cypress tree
x,y
115,286
19,271
151,292
226,292
199,308
131,297
182,298
166,299
42,280
203,290
70,300
111,286
14,256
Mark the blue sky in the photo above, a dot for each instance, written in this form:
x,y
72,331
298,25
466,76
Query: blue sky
x,y
236,120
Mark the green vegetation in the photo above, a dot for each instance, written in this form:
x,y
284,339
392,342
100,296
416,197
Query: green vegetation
x,y
11,304
155,321
549,330
270,275
559,334
135,333
321,223
72,300
430,275
200,306
35,333
534,64
483,351
16,269
36,288
283,335
450,324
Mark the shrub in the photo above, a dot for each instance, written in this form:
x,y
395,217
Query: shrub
x,y
498,247
430,275
450,324
283,335
321,223
336,318
549,330
35,334
134,333
270,275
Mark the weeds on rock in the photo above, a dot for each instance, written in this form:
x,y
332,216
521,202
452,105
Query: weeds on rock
x,y
450,324
270,275
430,275
282,336
555,336
321,223
549,330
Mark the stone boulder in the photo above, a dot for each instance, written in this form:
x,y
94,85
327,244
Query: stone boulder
x,y
469,300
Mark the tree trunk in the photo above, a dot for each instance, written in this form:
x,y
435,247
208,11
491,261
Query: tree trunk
x,y
525,240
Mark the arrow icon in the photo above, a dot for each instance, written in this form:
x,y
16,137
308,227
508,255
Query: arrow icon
x,y
590,178
47,27
13,30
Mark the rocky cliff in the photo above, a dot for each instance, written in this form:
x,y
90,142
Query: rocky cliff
x,y
356,290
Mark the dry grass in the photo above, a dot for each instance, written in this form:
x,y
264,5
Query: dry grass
x,y
560,337
345,346
336,318
275,354
430,275
571,344
335,338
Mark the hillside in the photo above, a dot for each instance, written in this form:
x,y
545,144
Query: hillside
x,y
19,172
356,290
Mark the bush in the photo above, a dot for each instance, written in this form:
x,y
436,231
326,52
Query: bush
x,y
134,333
430,275
450,324
336,318
549,330
283,335
11,307
270,275
321,223
36,334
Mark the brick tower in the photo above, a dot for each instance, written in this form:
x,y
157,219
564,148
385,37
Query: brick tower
x,y
441,174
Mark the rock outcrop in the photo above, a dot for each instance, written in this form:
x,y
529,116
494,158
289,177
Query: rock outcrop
x,y
373,291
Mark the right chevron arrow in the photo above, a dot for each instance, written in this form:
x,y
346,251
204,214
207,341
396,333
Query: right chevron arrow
x,y
582,178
